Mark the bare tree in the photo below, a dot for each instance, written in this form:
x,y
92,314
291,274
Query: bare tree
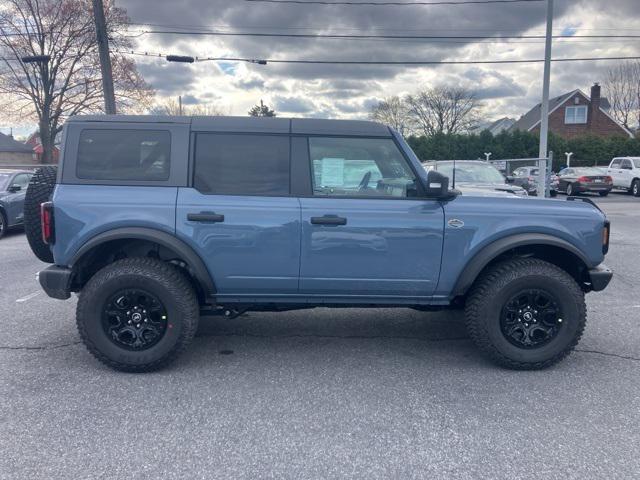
x,y
68,83
443,109
392,111
623,91
172,107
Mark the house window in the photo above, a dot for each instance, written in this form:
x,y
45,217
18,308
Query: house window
x,y
576,114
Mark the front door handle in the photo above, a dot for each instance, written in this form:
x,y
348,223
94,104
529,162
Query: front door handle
x,y
329,220
207,217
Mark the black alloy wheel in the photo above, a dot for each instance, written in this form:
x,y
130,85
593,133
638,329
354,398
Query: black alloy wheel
x,y
530,319
134,319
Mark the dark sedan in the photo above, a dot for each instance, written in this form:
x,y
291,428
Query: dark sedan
x,y
573,181
13,186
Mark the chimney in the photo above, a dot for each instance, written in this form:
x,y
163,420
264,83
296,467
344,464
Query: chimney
x,y
595,95
594,105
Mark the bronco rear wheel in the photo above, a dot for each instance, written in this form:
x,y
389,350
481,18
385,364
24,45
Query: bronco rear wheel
x,y
39,191
137,314
526,314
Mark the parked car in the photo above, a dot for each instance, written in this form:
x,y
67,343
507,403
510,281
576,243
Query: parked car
x,y
13,186
573,181
155,219
475,177
625,172
527,178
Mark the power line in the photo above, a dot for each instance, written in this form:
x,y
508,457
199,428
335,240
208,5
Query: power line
x,y
388,37
391,62
368,28
413,3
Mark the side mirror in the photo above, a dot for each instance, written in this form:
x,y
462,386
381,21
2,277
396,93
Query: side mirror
x,y
437,185
15,188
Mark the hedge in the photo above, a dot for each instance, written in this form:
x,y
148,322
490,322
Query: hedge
x,y
587,150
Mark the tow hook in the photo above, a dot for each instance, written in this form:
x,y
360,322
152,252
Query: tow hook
x,y
233,312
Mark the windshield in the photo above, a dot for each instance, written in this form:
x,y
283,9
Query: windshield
x,y
4,179
471,172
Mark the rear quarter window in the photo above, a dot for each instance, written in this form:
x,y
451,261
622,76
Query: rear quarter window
x,y
119,154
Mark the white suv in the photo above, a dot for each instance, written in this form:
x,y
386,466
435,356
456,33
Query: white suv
x,y
625,172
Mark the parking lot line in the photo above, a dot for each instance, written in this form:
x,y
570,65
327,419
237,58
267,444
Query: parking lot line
x,y
28,297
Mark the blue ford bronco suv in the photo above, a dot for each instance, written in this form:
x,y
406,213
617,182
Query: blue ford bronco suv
x,y
155,220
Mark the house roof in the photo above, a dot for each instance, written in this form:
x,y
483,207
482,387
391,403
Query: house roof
x,y
8,144
532,117
495,126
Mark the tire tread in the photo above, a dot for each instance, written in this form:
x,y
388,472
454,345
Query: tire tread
x,y
497,277
185,296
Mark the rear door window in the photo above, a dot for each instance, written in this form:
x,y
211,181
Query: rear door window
x,y
242,164
119,154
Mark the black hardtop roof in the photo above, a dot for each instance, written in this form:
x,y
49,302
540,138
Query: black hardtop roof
x,y
303,126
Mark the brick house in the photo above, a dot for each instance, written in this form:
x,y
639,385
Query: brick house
x,y
34,142
573,114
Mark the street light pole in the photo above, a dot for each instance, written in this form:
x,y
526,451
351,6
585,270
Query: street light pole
x,y
544,106
568,154
105,60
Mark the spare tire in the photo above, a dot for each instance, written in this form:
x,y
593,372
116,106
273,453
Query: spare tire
x,y
39,191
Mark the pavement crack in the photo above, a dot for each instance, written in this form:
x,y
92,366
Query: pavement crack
x,y
38,347
607,354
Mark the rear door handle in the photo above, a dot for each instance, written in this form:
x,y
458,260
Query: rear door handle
x,y
207,217
329,220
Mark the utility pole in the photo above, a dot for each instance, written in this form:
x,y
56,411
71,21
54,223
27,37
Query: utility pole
x,y
105,60
544,106
179,104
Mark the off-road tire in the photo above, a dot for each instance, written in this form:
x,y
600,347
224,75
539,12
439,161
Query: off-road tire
x,y
499,283
3,224
161,279
39,191
603,194
635,188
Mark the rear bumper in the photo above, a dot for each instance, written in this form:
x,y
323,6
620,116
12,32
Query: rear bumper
x,y
600,277
593,188
56,281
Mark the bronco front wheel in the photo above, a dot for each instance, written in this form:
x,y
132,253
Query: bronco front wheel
x,y
526,314
137,314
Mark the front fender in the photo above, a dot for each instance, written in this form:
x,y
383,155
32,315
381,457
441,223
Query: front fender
x,y
482,258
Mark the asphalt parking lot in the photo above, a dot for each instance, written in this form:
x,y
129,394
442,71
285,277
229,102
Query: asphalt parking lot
x,y
321,394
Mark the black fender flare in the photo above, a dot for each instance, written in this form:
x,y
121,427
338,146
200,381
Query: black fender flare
x,y
489,252
161,238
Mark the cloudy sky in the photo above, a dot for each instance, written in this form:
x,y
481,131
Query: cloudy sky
x,y
349,91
